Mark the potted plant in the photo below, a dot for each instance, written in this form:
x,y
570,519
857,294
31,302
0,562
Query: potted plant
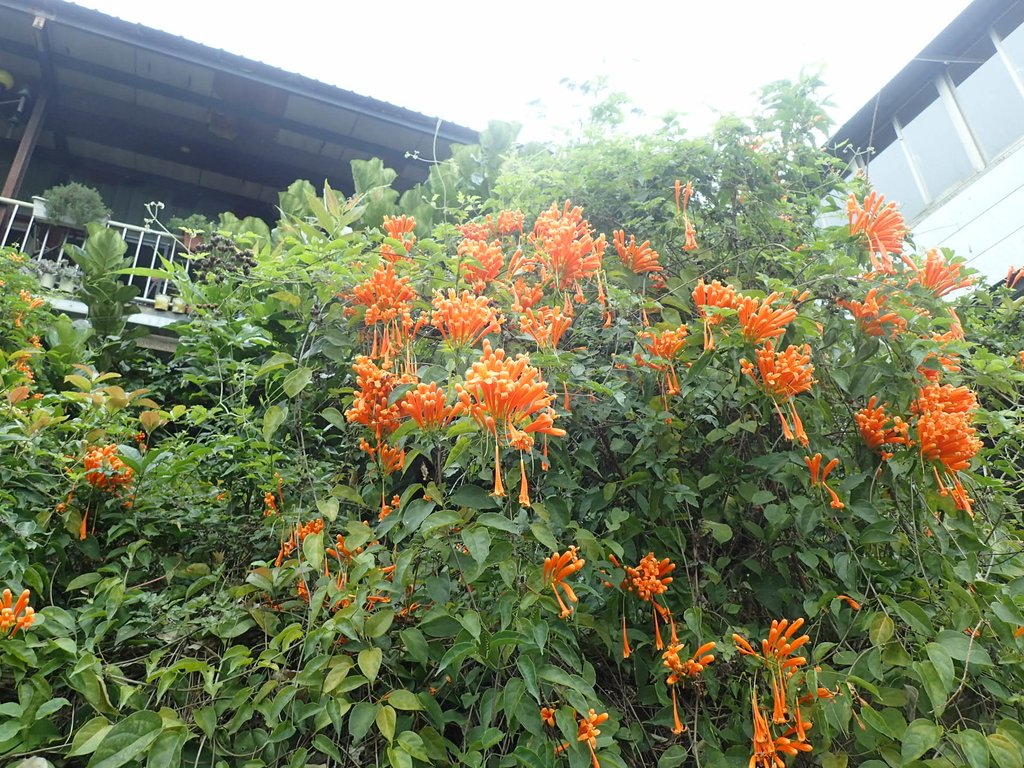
x,y
70,276
71,205
46,271
193,228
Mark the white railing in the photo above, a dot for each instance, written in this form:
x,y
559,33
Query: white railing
x,y
41,240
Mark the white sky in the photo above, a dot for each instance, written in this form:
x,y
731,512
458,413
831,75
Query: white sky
x,y
471,61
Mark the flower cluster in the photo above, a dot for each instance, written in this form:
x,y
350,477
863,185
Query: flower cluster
x,y
946,437
566,248
882,226
879,431
104,470
713,296
783,376
464,319
871,316
15,616
557,568
639,259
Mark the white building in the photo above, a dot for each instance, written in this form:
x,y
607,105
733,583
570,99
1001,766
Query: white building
x,y
945,138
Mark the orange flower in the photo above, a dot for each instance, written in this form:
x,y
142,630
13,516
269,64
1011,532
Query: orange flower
x,y
508,399
588,732
938,276
372,406
398,228
481,262
385,295
690,243
526,296
566,248
509,222
760,321
296,537
558,568
104,470
680,670
641,259
784,375
26,297
666,346
946,436
269,504
427,405
878,430
882,226
818,476
849,601
777,655
647,580
15,617
464,319
545,325
547,716
716,296
868,314
763,744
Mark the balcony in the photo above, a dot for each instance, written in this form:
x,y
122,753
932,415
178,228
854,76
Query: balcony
x,y
41,240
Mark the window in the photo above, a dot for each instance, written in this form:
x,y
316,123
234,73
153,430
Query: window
x,y
989,99
890,174
934,143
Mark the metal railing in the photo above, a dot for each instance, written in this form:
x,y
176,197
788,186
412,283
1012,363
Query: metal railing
x,y
39,240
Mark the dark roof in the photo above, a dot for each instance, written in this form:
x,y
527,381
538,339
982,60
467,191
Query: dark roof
x,y
144,100
948,46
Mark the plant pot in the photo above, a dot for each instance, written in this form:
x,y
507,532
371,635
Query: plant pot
x,y
68,286
178,305
162,302
39,208
47,280
192,242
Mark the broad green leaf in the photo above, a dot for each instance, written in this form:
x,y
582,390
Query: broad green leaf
x,y
1005,751
89,736
313,549
974,746
297,380
379,623
943,663
921,736
360,719
881,629
272,419
127,740
386,718
474,497
369,660
404,699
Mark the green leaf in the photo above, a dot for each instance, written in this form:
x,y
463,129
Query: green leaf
x,y
360,719
474,497
166,750
313,549
379,623
881,630
920,737
386,718
413,743
369,660
834,760
127,740
974,746
335,417
272,419
943,663
398,758
916,618
719,531
404,699
964,648
1004,750
89,736
297,380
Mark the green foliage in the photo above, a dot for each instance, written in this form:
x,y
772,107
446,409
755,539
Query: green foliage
x,y
75,204
249,585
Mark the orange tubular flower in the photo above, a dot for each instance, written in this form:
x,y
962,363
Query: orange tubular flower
x,y
680,670
777,655
427,405
482,262
647,580
557,568
685,193
818,476
882,226
715,296
849,601
763,744
296,537
665,346
372,407
545,325
938,276
879,430
508,399
759,321
509,222
104,470
547,716
388,301
869,315
15,616
566,248
946,436
784,375
588,732
269,504
464,319
398,228
640,259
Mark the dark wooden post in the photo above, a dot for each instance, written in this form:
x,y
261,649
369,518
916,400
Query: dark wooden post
x,y
33,128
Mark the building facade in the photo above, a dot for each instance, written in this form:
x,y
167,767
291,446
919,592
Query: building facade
x,y
945,138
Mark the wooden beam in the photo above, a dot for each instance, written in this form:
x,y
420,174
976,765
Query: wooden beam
x,y
16,173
